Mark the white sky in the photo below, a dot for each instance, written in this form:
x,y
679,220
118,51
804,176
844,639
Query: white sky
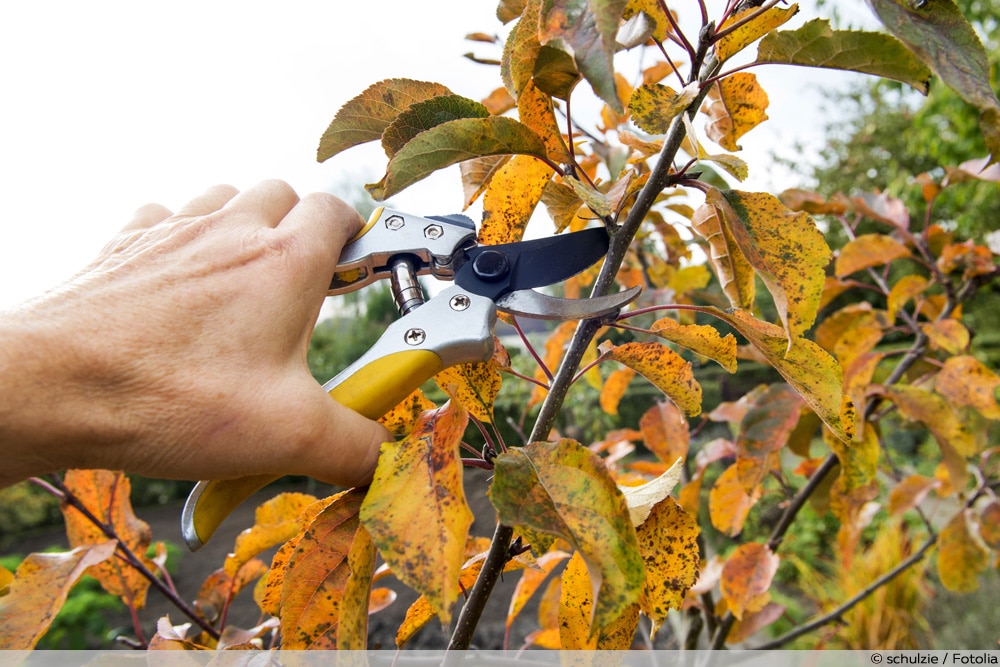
x,y
108,105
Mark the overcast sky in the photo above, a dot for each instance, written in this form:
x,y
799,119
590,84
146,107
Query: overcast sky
x,y
108,105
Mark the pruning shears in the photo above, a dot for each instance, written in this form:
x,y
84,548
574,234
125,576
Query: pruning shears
x,y
454,327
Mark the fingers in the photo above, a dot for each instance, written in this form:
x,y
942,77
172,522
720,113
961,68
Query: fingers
x,y
321,224
266,203
147,216
207,202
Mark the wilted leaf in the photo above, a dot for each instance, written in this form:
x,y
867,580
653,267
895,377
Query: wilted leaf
x,y
576,607
562,202
511,198
729,503
866,251
668,541
815,44
614,389
400,420
665,431
812,202
751,31
910,492
106,495
700,339
318,593
737,105
764,430
453,142
961,556
220,588
39,589
978,169
170,637
275,521
564,489
731,267
642,498
653,106
233,637
883,208
948,335
968,383
416,511
938,33
529,582
746,578
474,385
365,117
754,622
666,369
934,412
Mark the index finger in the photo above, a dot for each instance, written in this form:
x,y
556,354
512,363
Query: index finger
x,y
323,224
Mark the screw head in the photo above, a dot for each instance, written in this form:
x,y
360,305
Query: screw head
x,y
394,222
433,231
414,336
460,302
491,266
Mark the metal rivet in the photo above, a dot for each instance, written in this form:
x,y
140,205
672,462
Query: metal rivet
x,y
434,231
460,302
491,266
394,222
415,336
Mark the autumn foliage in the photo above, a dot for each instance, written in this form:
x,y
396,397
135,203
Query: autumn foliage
x,y
657,520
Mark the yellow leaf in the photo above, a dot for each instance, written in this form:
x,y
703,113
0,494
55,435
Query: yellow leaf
x,y
534,108
746,578
6,576
934,412
729,503
851,332
967,383
106,495
642,498
858,460
857,377
275,521
654,10
737,105
700,339
731,267
948,335
653,106
511,198
614,389
38,590
352,632
529,582
665,431
666,369
910,492
576,604
400,419
416,509
867,251
475,387
668,541
477,174
961,556
750,32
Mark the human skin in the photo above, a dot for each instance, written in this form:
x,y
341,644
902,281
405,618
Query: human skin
x,y
180,352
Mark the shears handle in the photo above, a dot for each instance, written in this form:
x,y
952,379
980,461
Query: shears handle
x,y
453,328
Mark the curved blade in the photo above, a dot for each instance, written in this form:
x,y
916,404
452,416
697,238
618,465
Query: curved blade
x,y
530,303
534,263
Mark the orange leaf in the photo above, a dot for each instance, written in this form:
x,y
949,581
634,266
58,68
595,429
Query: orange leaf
x,y
529,582
729,503
989,524
106,495
535,110
554,348
614,389
851,332
764,430
934,412
746,578
910,492
754,622
576,605
220,587
416,509
39,589
275,521
666,369
967,383
668,541
866,251
700,339
961,556
665,432
737,106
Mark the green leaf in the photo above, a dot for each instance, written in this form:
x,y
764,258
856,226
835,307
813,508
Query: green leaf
x,y
421,116
816,44
555,72
521,49
938,33
453,142
589,28
366,117
563,489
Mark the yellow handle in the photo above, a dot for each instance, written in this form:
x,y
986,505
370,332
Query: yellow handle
x,y
375,389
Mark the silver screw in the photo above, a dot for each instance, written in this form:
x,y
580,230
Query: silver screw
x,y
394,222
415,336
460,302
433,231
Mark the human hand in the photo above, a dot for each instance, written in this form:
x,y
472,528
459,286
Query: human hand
x,y
181,351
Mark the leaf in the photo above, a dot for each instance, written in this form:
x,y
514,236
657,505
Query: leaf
x,y
764,430
808,368
968,383
642,498
961,556
220,587
668,541
564,489
978,169
989,524
910,492
366,117
948,335
170,637
562,202
653,106
453,142
554,73
746,578
883,208
815,44
934,412
736,105
39,589
275,521
866,251
416,509
614,389
106,495
665,431
700,339
511,198
475,386
729,503
477,174
858,460
731,266
529,582
852,331
589,28
521,49
654,10
401,419
6,576
666,369
233,637
748,33
754,622
314,595
424,115
576,605
534,109
938,33
906,288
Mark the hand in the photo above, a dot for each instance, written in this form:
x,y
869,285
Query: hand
x,y
181,351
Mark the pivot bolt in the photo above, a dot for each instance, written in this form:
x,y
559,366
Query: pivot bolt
x,y
460,302
415,336
394,222
433,231
491,265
